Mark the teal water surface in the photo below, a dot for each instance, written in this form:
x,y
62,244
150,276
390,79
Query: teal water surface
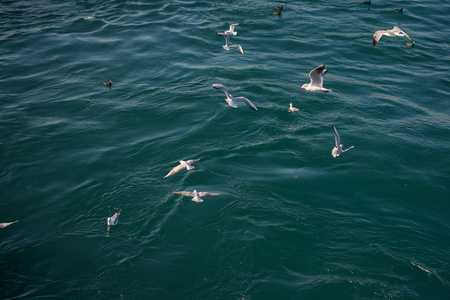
x,y
292,222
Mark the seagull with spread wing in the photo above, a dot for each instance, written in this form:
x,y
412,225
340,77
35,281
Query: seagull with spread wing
x,y
196,196
233,100
337,150
389,32
183,164
316,77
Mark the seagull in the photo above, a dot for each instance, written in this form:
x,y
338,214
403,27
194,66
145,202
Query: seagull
x,y
228,44
389,32
279,7
232,100
195,195
399,10
337,150
114,219
292,109
316,83
410,44
367,2
108,83
3,225
231,30
183,164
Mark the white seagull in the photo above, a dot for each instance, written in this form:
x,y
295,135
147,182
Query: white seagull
x,y
195,195
316,76
3,225
232,100
337,150
183,164
231,30
114,219
390,32
292,109
228,44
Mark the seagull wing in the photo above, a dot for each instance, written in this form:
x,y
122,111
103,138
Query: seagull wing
x,y
231,30
337,139
377,36
226,36
191,161
246,101
206,194
184,193
175,170
221,88
348,148
3,225
316,75
240,48
403,32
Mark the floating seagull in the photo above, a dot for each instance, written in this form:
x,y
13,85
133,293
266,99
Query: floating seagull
x,y
399,10
337,150
232,100
196,195
108,83
410,44
3,225
316,83
292,109
367,2
228,44
231,30
183,164
114,219
389,32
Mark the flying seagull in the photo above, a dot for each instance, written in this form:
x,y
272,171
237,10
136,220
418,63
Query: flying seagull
x,y
389,32
228,44
231,30
316,76
195,195
233,100
183,164
114,219
337,150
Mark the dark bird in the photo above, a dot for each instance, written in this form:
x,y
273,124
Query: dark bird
x,y
280,10
410,44
108,83
367,2
399,10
